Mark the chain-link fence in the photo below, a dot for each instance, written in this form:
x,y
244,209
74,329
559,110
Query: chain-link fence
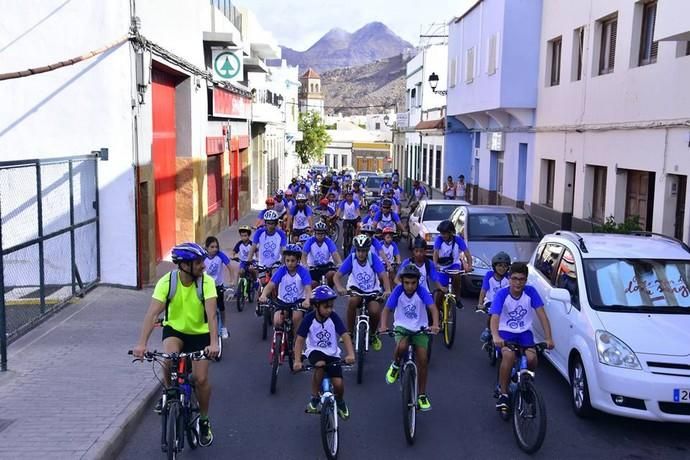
x,y
48,239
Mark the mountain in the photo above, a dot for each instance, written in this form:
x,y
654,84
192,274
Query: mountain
x,y
380,83
339,48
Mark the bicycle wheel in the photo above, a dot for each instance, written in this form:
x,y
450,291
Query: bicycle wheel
x,y
266,322
428,349
409,403
491,352
241,287
529,418
192,423
449,322
275,361
220,344
329,429
335,231
172,429
361,351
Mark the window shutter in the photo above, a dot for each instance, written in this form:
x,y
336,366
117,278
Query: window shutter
x,y
453,71
612,45
655,44
469,75
492,55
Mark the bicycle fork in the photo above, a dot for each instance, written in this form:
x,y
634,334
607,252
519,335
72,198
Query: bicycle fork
x,y
362,318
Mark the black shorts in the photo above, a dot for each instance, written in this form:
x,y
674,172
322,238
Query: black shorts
x,y
334,372
220,300
299,231
190,342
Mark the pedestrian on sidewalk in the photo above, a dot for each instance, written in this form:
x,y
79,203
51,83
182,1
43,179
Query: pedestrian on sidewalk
x,y
460,188
449,189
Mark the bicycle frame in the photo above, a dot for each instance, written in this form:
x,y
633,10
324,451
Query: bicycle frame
x,y
284,334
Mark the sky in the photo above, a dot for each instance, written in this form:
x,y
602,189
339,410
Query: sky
x,y
298,24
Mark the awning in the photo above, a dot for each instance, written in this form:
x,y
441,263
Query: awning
x,y
430,124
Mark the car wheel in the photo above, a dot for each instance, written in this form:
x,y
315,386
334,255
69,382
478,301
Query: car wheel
x,y
579,390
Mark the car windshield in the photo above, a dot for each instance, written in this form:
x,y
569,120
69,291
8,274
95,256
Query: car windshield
x,y
638,285
374,182
502,226
438,211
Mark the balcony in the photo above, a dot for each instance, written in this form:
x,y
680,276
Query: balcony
x,y
229,11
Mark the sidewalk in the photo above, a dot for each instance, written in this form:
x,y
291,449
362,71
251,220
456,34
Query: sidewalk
x,y
71,391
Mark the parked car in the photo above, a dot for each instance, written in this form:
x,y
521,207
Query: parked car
x,y
490,229
372,189
426,217
619,308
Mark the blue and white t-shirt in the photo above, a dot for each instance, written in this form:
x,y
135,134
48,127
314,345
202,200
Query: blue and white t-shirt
x,y
300,217
397,193
386,220
269,247
319,254
280,207
322,336
410,311
349,211
214,266
516,315
491,285
425,279
364,277
291,286
390,251
450,250
242,250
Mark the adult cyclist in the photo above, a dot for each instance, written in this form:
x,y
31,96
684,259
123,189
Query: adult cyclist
x,y
186,327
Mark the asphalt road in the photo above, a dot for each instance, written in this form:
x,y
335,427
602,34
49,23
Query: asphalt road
x,y
248,422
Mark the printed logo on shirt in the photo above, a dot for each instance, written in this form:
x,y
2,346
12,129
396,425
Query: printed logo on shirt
x,y
516,317
291,291
212,268
300,219
410,311
323,339
269,248
364,280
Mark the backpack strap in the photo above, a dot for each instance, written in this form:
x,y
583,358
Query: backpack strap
x,y
172,289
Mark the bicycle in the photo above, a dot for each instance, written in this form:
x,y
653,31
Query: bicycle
x,y
245,292
409,384
283,340
180,408
328,412
489,346
349,226
447,313
526,404
333,230
362,326
264,276
319,273
219,319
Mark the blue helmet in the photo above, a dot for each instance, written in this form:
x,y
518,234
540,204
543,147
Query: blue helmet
x,y
374,207
188,252
292,250
323,294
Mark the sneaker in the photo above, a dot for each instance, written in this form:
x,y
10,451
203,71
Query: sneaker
x,y
485,335
423,403
313,406
459,305
224,332
392,373
343,411
503,402
205,433
376,343
158,408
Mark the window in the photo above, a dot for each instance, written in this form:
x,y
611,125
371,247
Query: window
x,y
452,71
548,171
648,47
493,58
687,48
546,263
607,51
469,65
214,180
437,172
413,97
555,61
598,193
419,94
502,227
377,126
477,140
566,277
424,158
578,53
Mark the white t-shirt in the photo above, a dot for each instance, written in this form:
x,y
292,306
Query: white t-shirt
x,y
491,285
270,247
410,311
319,254
516,315
460,190
322,336
291,287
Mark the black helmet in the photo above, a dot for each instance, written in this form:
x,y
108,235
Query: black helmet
x,y
410,271
387,202
500,258
361,242
446,226
419,243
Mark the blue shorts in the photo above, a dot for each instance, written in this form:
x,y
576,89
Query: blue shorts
x,y
525,339
244,264
443,279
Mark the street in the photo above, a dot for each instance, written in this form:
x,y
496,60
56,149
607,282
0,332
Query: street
x,y
248,422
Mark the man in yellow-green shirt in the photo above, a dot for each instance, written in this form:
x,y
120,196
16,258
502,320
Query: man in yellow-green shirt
x,y
186,327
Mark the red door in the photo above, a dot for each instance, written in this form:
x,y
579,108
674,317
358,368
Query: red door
x,y
163,157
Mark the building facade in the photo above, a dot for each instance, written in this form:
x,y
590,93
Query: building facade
x,y
621,149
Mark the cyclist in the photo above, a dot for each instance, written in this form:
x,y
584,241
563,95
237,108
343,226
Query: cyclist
x,y
293,185
494,280
376,245
397,190
280,206
241,251
512,313
186,328
268,243
293,283
447,249
369,217
410,302
214,263
320,331
303,189
388,193
325,211
335,190
320,251
300,218
366,272
289,200
348,210
427,272
390,250
418,193
385,184
386,218
270,205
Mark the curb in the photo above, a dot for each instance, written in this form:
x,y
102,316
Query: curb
x,y
115,437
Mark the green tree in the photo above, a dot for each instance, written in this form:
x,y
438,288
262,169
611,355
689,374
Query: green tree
x,y
315,138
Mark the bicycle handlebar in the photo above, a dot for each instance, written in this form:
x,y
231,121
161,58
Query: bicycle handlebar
x,y
340,362
516,347
354,291
393,332
453,271
153,355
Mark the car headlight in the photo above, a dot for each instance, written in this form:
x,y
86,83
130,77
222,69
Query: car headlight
x,y
613,352
430,237
479,263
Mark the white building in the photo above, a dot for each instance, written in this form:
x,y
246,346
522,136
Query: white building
x,y
492,90
349,136
613,116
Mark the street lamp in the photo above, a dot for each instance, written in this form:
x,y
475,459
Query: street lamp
x,y
386,119
433,82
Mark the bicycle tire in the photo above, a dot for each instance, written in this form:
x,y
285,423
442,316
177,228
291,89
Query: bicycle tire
x,y
528,404
240,293
329,430
220,346
275,361
428,349
361,351
491,351
191,425
335,232
265,322
449,323
409,404
172,429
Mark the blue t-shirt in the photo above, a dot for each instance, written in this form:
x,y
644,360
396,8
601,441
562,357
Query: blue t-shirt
x,y
410,311
322,336
300,217
390,250
291,287
516,314
319,254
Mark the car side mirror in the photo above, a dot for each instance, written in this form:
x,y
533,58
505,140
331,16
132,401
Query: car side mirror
x,y
561,295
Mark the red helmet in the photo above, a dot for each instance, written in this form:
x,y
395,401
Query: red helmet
x,y
324,202
388,230
270,201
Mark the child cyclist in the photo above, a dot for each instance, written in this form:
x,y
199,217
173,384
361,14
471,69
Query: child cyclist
x,y
447,249
293,283
319,254
494,281
320,331
241,251
391,251
512,313
214,268
410,302
427,272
